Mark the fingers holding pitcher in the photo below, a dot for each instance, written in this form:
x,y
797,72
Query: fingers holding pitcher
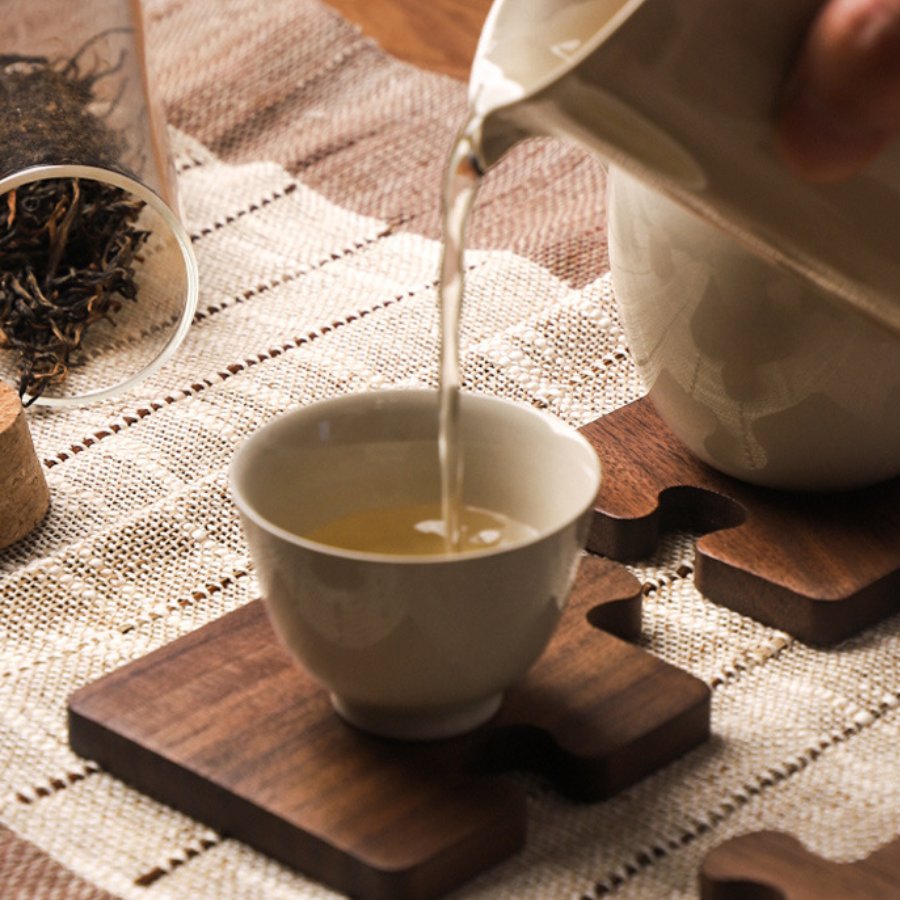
x,y
841,103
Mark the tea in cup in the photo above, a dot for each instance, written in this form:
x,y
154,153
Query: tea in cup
x,y
340,502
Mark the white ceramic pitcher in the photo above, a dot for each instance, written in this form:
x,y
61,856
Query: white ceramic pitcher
x,y
792,377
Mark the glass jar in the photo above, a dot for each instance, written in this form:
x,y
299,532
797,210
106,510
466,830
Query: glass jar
x,y
98,281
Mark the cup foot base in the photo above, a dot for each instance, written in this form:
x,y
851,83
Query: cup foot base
x,y
449,722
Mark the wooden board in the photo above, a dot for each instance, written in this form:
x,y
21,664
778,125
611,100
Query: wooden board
x,y
768,865
439,35
224,726
820,566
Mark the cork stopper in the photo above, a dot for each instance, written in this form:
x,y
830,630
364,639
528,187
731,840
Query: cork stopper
x,y
24,496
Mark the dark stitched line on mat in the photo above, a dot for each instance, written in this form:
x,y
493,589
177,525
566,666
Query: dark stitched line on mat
x,y
228,220
256,206
198,387
745,662
188,164
682,573
142,412
748,659
645,858
56,784
197,595
174,862
288,277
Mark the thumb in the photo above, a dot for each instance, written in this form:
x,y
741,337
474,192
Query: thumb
x,y
841,102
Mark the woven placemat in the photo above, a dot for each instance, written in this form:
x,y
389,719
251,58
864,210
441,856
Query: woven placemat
x,y
27,872
308,166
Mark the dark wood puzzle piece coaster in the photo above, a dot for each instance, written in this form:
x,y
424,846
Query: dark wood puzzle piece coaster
x,y
820,566
770,865
224,726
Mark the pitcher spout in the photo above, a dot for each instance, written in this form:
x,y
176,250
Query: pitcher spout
x,y
547,68
493,135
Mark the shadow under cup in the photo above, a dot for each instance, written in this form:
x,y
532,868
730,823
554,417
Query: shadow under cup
x,y
414,647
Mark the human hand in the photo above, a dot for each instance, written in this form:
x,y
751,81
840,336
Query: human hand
x,y
841,103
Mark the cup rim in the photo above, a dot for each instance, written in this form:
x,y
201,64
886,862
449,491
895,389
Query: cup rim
x,y
397,395
171,220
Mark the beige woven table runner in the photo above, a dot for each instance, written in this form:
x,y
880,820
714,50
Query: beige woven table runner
x,y
309,166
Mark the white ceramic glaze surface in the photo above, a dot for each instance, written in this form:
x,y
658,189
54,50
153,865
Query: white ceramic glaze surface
x,y
760,373
414,647
682,96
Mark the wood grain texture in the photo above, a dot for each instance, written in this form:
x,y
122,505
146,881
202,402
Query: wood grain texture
x,y
439,35
768,865
820,566
223,725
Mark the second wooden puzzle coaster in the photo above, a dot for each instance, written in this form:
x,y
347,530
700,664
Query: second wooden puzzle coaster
x,y
820,566
770,864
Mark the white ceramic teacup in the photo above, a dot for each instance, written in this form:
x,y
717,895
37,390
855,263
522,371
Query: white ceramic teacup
x,y
414,647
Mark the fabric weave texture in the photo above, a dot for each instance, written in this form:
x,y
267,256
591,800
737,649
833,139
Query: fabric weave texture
x,y
309,165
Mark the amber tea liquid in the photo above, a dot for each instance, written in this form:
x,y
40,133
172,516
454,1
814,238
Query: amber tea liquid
x,y
419,530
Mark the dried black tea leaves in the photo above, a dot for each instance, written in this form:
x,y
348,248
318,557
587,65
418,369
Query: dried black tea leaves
x,y
67,253
50,114
68,246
